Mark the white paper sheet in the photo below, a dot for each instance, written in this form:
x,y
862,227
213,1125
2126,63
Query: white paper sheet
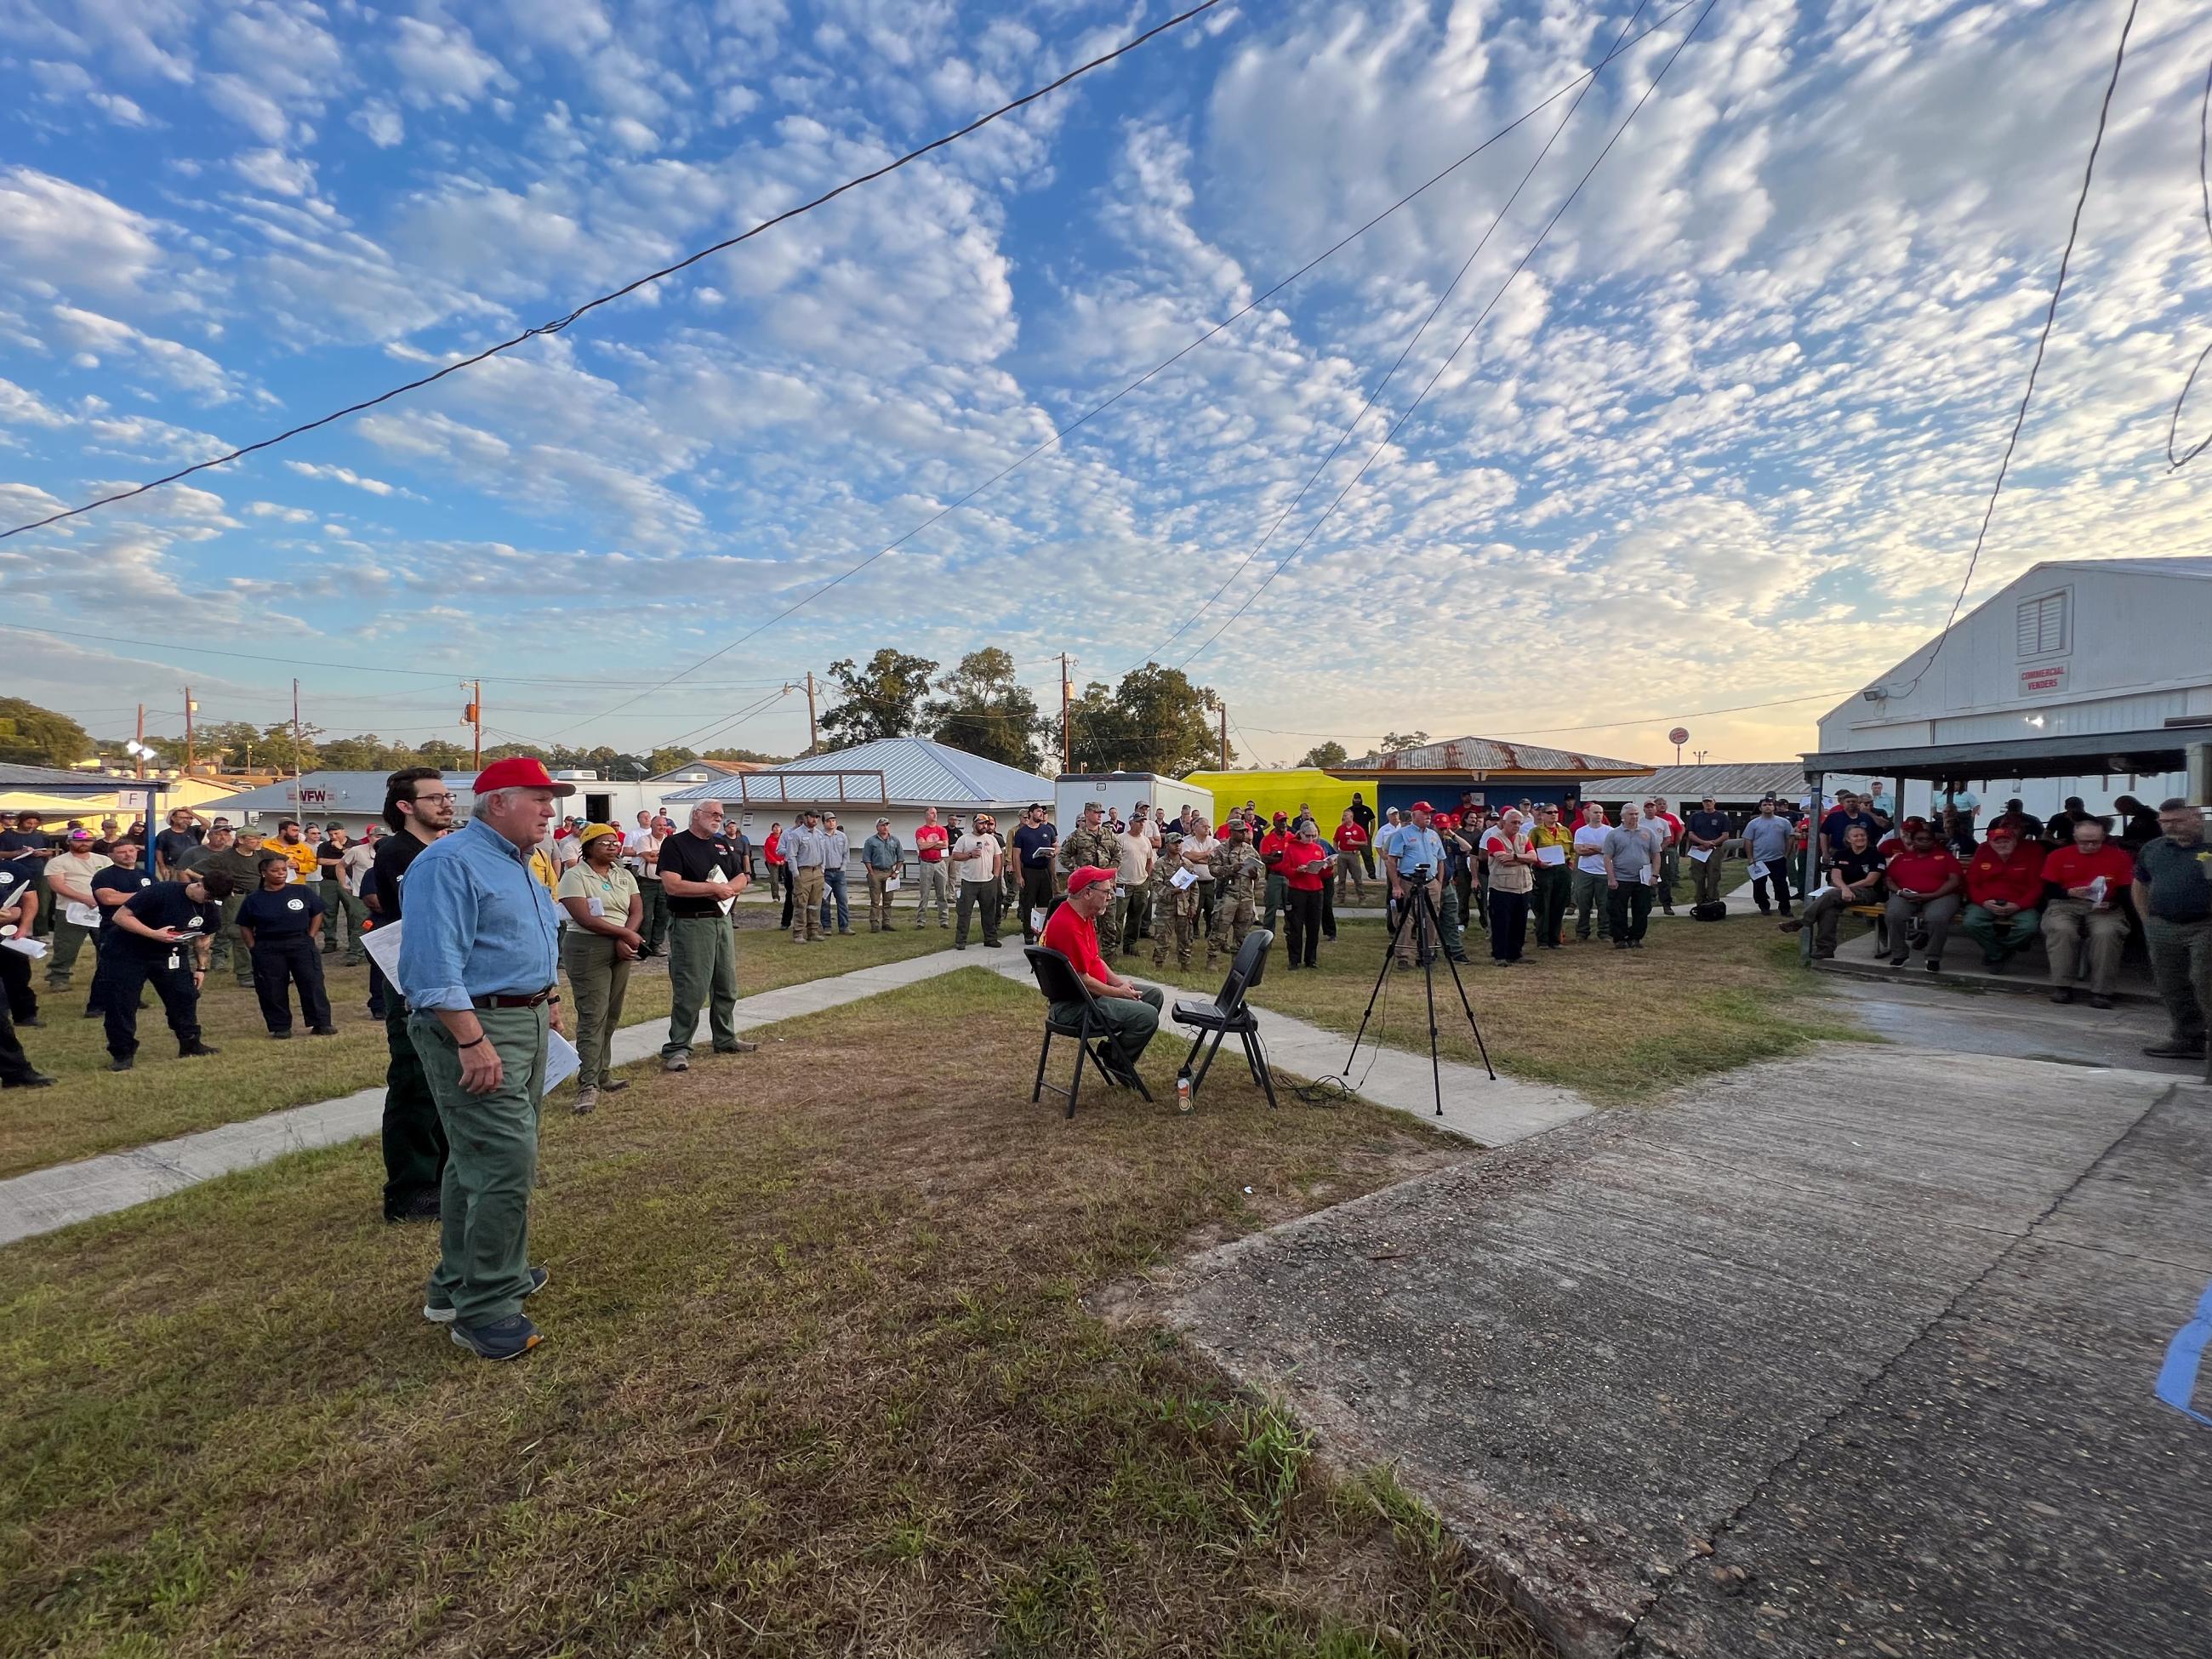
x,y
1550,855
33,948
2098,888
1183,878
561,1060
1756,872
1699,854
84,916
382,943
1036,920
892,885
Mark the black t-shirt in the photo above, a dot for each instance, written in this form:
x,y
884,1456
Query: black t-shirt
x,y
2180,878
285,914
39,845
1707,826
1856,868
393,854
1363,815
15,879
170,842
115,879
165,904
330,849
697,858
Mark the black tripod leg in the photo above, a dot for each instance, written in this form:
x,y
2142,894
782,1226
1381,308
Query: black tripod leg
x,y
1473,1024
1429,981
1390,956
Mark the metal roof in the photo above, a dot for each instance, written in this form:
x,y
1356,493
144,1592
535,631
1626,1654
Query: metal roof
x,y
58,781
1488,755
1741,781
916,771
347,794
2141,752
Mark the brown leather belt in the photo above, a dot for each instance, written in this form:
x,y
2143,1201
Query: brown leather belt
x,y
529,1001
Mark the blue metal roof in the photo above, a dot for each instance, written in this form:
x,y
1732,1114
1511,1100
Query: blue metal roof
x,y
917,771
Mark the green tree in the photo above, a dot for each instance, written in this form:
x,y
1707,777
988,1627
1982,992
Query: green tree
x,y
667,758
31,736
1396,741
1326,755
1156,721
743,757
981,709
878,701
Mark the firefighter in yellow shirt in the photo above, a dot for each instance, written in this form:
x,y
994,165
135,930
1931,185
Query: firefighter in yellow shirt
x,y
297,848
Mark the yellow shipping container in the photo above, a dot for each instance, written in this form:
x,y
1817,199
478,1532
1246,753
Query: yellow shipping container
x,y
1282,792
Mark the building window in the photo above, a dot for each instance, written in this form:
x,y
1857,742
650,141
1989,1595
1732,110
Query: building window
x,y
2043,625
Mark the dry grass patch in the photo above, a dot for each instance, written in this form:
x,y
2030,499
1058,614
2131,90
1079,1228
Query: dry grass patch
x,y
1616,1026
92,1111
820,1379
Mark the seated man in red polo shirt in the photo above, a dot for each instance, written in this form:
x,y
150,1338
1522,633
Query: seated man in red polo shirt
x,y
1924,881
1073,930
2090,875
2004,893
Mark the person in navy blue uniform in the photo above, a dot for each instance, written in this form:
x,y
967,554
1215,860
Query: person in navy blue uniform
x,y
110,888
19,917
162,934
280,923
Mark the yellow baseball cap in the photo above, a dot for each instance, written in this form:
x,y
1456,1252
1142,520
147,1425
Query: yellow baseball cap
x,y
593,831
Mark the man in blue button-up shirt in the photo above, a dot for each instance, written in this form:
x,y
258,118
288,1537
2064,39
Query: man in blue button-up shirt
x,y
477,967
1415,845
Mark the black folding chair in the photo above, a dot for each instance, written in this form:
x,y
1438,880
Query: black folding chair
x,y
1057,978
1227,1015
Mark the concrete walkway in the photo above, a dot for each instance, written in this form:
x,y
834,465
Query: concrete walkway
x,y
1854,1353
46,1200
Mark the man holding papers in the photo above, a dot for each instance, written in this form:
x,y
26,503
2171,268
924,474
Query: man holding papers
x,y
2090,876
700,874
1767,844
1703,835
476,967
1631,869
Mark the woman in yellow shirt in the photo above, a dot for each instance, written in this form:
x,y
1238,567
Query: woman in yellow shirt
x,y
604,910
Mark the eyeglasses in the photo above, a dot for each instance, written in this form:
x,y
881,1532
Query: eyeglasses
x,y
448,797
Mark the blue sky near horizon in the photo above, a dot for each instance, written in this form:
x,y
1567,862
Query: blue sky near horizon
x,y
1726,438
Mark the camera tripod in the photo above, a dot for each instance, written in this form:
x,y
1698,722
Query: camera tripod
x,y
1418,908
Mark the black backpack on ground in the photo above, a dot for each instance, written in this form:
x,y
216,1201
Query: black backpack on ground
x,y
1714,911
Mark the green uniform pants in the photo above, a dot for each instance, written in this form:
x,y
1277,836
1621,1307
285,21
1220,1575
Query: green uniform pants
x,y
598,980
652,919
414,1134
1277,892
2181,962
1555,883
806,917
1588,894
1706,878
351,906
229,948
483,1240
2000,936
61,958
702,968
1134,1021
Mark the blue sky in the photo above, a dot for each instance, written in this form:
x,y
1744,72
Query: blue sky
x,y
1726,438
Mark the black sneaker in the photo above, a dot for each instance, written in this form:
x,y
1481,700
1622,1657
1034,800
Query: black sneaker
x,y
32,1022
323,1030
280,1037
36,1080
503,1339
120,1063
2174,1049
195,1049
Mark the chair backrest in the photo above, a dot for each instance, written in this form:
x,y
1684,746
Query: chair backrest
x,y
1244,973
1056,976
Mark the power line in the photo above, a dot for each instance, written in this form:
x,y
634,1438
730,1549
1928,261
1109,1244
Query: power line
x,y
2042,340
2175,463
1329,512
1444,299
561,323
1158,369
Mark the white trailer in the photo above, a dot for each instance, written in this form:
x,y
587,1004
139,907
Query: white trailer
x,y
1121,791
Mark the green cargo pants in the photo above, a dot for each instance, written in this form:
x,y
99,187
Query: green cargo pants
x,y
702,968
2181,964
61,958
483,1240
229,949
598,980
1134,1021
652,919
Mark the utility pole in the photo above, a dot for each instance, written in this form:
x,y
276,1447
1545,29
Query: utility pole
x,y
295,731
1066,736
191,708
812,741
1225,736
472,715
140,746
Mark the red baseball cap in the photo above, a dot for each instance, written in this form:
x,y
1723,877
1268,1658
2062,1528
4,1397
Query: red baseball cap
x,y
1422,806
1088,876
518,772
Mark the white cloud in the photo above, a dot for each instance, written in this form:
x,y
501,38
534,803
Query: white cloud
x,y
379,122
57,235
344,475
439,64
274,171
96,336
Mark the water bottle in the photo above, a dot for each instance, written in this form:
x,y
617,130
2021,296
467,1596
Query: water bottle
x,y
1183,1090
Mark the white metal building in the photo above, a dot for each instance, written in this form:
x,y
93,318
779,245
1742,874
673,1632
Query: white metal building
x,y
2089,677
1121,791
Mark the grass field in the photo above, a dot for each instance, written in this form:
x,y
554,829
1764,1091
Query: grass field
x,y
93,1111
1699,999
820,1379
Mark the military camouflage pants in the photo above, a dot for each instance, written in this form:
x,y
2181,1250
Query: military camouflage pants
x,y
1173,921
1110,931
1233,918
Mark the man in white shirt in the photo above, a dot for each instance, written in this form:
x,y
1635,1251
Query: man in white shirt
x,y
981,860
642,853
1136,847
1197,850
1589,892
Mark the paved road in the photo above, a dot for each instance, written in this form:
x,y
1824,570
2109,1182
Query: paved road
x,y
1853,1354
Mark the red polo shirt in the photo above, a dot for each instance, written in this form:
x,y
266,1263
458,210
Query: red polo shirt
x,y
1076,938
1922,873
1350,837
1301,867
929,842
1272,845
2016,880
2070,867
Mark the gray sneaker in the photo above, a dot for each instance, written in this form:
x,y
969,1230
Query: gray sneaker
x,y
676,1063
503,1339
586,1100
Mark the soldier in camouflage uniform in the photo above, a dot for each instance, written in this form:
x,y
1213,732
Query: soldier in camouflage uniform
x,y
1093,842
1175,910
1239,880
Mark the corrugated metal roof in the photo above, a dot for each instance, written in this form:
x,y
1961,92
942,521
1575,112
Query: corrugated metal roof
x,y
1743,781
916,770
2199,566
61,780
1488,755
347,792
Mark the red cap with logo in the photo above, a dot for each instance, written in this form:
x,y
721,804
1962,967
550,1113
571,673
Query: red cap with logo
x,y
518,772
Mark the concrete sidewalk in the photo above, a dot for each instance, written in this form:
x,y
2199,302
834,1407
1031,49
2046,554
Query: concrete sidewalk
x,y
1847,1354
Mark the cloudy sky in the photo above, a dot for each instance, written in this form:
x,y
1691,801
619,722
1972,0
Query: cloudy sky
x,y
1724,439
